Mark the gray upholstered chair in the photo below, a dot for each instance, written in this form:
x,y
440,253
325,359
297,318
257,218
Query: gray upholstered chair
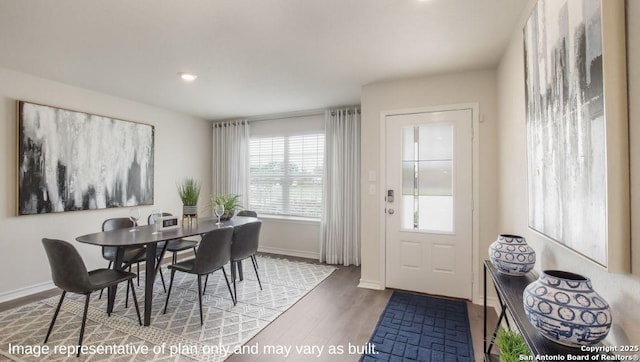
x,y
249,213
245,245
177,245
132,254
70,274
214,252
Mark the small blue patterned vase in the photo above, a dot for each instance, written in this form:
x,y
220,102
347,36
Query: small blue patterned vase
x,y
565,309
511,255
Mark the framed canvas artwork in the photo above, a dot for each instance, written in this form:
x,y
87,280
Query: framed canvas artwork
x,y
70,161
577,138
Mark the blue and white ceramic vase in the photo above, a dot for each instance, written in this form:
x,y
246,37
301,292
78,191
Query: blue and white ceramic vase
x,y
511,255
565,309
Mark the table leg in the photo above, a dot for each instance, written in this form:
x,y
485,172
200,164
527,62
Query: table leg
x,y
240,273
484,324
150,277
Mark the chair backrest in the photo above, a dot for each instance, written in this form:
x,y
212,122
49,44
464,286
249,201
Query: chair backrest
x,y
245,240
117,223
67,268
151,220
214,250
249,213
109,252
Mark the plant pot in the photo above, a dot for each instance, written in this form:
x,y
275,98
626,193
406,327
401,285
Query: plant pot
x,y
565,309
227,215
511,255
190,210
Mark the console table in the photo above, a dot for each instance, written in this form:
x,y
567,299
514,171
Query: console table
x,y
509,290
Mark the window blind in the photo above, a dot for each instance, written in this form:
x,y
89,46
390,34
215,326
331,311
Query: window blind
x,y
285,173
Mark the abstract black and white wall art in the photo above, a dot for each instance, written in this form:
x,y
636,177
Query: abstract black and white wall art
x,y
71,160
567,125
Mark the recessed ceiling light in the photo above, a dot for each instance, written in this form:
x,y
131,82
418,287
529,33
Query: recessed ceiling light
x,y
188,77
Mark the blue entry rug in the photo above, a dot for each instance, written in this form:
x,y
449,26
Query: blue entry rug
x,y
421,328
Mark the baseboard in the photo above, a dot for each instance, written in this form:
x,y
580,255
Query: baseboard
x,y
370,284
24,292
491,302
289,252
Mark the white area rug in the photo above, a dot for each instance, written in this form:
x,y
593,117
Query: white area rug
x,y
175,336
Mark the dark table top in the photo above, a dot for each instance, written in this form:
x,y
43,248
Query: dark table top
x,y
147,233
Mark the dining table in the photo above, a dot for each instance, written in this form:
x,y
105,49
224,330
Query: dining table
x,y
150,236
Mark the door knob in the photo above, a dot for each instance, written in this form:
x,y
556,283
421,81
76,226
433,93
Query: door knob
x,y
390,211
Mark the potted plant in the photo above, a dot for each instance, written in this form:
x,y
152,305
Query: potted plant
x,y
189,191
512,346
231,203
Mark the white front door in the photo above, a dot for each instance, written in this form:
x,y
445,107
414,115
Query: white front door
x,y
429,218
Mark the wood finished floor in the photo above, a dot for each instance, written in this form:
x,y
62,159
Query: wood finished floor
x,y
336,312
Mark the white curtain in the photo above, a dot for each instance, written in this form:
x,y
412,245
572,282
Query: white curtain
x,y
340,224
231,159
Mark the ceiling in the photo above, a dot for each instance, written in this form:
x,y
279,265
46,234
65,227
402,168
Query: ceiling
x,y
251,57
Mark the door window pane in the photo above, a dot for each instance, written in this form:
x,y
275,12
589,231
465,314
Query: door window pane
x,y
427,177
435,142
434,178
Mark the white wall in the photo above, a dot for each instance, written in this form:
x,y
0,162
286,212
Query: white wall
x,y
621,291
290,237
182,148
472,87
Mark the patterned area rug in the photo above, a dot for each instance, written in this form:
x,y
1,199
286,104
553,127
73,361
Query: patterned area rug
x,y
421,328
175,336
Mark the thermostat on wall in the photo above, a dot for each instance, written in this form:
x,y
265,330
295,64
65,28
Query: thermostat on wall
x,y
168,222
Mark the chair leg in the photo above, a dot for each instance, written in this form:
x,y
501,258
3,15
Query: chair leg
x,y
101,290
233,277
255,268
173,272
233,298
162,278
126,300
55,315
138,266
84,321
200,298
206,280
135,299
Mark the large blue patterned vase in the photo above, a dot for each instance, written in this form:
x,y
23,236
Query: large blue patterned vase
x,y
565,309
511,255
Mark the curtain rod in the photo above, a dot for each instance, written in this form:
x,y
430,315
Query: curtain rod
x,y
286,115
349,111
222,124
271,117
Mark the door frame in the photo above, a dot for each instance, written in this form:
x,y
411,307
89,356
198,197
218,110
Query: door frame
x,y
475,161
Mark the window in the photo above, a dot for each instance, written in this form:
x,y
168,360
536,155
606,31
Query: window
x,y
285,173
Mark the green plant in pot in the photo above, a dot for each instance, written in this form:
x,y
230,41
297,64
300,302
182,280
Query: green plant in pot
x,y
189,191
231,203
512,346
